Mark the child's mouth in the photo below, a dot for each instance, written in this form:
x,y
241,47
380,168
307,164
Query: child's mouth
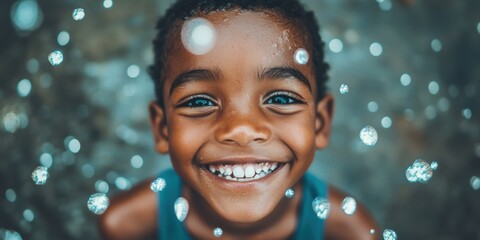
x,y
243,172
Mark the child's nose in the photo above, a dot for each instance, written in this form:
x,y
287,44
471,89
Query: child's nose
x,y
243,131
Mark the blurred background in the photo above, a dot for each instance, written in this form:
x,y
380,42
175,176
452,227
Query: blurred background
x,y
74,93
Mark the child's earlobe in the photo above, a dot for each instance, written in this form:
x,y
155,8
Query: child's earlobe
x,y
323,118
159,127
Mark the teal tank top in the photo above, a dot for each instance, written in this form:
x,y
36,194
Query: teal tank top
x,y
309,225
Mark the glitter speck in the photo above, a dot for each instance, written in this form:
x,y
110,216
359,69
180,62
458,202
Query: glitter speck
x,y
335,45
419,171
181,208
24,87
9,234
405,79
198,36
55,57
369,135
372,231
289,193
78,14
46,160
433,87
107,3
321,207
344,88
376,49
74,145
467,113
26,15
98,203
217,232
28,215
136,161
386,122
63,38
40,175
158,185
349,205
301,56
434,165
372,106
10,195
475,182
389,234
133,71
101,186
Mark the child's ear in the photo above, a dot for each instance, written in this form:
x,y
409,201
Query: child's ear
x,y
159,127
323,120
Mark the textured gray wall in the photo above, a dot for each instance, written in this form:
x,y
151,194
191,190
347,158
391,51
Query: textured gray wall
x,y
90,97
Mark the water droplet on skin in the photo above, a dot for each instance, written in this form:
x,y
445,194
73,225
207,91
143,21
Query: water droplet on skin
x,y
368,135
301,56
98,203
158,185
289,193
419,171
78,14
344,88
321,207
198,36
389,234
40,175
349,205
217,232
181,208
55,58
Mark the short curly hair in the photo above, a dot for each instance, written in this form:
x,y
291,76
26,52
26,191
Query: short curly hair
x,y
292,10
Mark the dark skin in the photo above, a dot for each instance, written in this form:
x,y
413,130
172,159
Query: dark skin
x,y
245,101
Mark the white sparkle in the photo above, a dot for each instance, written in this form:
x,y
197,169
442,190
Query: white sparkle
x,y
198,36
78,14
321,207
386,122
24,87
217,232
433,87
419,171
372,106
368,135
301,56
133,71
335,45
181,208
344,89
349,205
74,145
389,234
289,193
436,45
467,113
55,57
40,175
63,38
136,161
98,203
107,3
405,79
376,49
158,184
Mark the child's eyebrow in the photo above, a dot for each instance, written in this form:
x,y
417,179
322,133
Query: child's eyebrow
x,y
193,75
284,72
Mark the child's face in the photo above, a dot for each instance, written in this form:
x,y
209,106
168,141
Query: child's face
x,y
245,104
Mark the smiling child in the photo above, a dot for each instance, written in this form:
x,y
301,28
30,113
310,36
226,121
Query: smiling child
x,y
241,115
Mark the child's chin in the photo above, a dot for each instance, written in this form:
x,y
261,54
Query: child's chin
x,y
243,211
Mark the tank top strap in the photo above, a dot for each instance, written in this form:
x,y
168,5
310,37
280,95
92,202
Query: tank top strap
x,y
169,227
309,226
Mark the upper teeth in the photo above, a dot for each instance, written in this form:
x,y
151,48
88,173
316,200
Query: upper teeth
x,y
245,172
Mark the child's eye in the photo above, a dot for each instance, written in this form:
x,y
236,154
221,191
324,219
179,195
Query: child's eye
x,y
197,101
283,98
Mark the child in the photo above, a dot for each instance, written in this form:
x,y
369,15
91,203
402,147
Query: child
x,y
241,111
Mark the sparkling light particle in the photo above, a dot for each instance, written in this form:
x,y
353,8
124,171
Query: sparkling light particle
x,y
217,232
133,71
436,45
433,87
136,161
101,186
321,206
376,49
335,45
372,106
40,175
372,231
181,208
98,203
198,36
26,15
55,57
368,135
24,87
419,171
475,182
349,205
11,122
74,145
28,215
467,113
122,183
9,234
289,193
344,89
405,79
434,165
389,234
63,38
78,14
46,160
107,3
158,184
301,56
386,122
10,195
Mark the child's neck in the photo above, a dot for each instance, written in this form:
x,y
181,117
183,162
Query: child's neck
x,y
280,224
